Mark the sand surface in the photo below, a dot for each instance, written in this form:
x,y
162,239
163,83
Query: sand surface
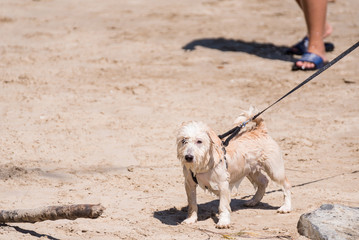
x,y
92,93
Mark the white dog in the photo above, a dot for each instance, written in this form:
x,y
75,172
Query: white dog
x,y
205,162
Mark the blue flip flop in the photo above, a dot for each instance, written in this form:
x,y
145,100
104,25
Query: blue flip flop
x,y
301,47
310,57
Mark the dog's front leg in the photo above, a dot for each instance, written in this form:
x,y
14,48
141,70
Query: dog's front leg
x,y
224,206
191,186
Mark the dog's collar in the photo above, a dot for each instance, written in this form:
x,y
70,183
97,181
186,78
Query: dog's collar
x,y
225,160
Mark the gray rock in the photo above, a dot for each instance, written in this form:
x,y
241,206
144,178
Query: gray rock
x,y
330,222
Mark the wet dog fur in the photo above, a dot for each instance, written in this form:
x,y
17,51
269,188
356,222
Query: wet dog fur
x,y
249,154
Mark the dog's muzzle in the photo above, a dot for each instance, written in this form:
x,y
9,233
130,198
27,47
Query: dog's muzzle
x,y
189,158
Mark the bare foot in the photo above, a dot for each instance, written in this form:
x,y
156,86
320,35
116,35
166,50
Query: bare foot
x,y
327,30
316,48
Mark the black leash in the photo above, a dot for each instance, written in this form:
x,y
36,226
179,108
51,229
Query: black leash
x,y
234,131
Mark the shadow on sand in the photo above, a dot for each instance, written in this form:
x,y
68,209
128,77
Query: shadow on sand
x,y
263,50
31,232
174,216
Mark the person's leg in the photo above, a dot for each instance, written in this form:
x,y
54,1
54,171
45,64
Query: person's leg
x,y
301,47
328,29
315,16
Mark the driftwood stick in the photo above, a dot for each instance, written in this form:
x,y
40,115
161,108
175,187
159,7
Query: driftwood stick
x,y
70,212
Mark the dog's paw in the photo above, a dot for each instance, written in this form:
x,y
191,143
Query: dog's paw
x,y
223,223
284,209
190,220
223,226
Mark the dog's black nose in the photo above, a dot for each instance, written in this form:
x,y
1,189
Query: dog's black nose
x,y
189,158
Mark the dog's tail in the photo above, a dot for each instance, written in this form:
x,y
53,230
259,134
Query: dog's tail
x,y
246,115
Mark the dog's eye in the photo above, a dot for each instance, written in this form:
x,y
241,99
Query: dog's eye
x,y
184,141
199,142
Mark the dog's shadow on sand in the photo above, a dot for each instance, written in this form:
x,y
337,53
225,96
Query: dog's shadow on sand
x,y
263,50
174,216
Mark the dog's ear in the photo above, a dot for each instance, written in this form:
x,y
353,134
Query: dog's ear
x,y
215,145
214,138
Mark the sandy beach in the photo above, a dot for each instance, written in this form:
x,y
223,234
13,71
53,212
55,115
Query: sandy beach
x,y
92,94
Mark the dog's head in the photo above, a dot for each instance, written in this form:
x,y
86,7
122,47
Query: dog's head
x,y
197,146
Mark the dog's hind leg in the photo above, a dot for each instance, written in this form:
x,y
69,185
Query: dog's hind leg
x,y
287,206
279,177
260,181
